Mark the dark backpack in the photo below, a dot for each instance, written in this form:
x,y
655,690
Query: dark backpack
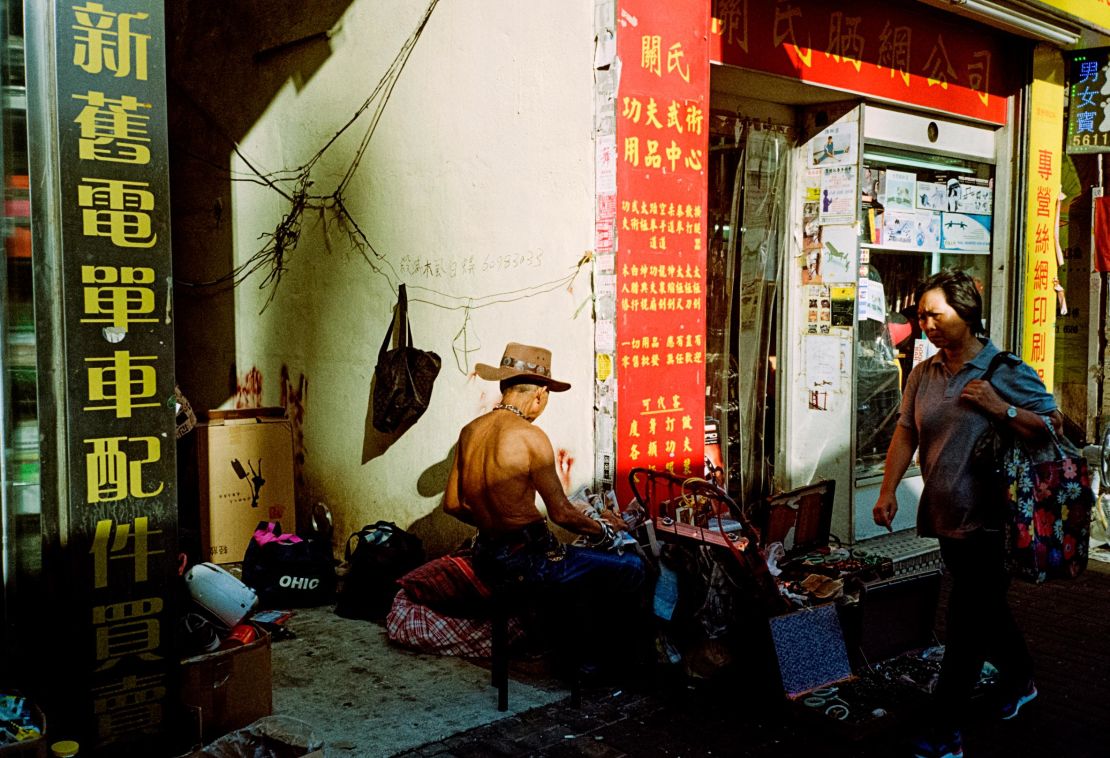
x,y
377,556
287,571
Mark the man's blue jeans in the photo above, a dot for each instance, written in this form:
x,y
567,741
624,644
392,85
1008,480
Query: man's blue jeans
x,y
599,589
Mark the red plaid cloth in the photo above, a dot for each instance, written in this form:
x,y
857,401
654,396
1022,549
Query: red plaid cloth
x,y
419,627
448,585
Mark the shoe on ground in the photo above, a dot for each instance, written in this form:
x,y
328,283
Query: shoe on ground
x,y
939,746
1012,705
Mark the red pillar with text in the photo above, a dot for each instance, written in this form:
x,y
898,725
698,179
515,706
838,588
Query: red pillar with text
x,y
662,153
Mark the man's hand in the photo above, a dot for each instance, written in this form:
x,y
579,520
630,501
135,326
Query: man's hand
x,y
884,511
614,521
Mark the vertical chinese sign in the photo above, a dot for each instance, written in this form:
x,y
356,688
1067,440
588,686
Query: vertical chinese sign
x,y
118,355
662,150
1089,102
1046,139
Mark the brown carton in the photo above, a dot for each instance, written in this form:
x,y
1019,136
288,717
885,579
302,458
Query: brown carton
x,y
231,687
245,465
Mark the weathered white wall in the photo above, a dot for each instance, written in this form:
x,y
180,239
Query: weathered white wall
x,y
483,157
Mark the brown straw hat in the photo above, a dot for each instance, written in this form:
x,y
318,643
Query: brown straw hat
x,y
526,362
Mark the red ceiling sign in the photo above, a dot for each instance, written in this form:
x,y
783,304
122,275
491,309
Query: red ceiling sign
x,y
899,52
662,153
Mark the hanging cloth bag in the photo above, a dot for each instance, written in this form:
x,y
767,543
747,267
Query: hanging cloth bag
x,y
1048,522
1048,498
404,376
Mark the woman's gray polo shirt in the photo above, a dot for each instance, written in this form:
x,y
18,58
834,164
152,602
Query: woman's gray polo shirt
x,y
955,500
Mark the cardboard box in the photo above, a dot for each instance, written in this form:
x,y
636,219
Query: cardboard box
x,y
245,467
230,688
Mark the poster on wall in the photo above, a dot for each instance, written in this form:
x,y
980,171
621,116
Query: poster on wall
x,y
927,231
838,195
974,198
662,150
899,190
899,228
818,309
838,246
833,146
872,300
965,233
931,196
822,357
843,304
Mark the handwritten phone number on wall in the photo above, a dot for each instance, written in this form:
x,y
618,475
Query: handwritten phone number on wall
x,y
451,268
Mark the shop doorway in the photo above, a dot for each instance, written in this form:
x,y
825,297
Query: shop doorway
x,y
747,207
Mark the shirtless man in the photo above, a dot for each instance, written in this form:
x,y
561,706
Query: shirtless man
x,y
501,462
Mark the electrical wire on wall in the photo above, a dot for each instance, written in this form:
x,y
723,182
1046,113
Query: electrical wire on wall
x,y
283,241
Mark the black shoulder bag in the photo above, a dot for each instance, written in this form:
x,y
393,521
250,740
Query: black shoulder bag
x,y
377,556
989,451
404,376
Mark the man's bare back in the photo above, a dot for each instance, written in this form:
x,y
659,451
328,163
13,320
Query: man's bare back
x,y
495,458
501,462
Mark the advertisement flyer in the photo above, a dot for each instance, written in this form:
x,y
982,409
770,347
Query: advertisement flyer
x,y
838,195
833,146
900,188
931,196
965,232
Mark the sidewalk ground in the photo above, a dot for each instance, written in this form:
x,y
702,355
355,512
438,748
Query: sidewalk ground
x,y
1067,625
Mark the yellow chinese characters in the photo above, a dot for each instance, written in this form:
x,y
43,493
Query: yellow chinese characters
x,y
111,539
112,129
117,209
116,296
651,57
106,42
131,703
127,629
894,51
845,42
673,157
938,67
111,475
120,383
666,415
653,288
662,221
731,21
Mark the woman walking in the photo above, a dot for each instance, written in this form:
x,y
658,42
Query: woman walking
x,y
946,406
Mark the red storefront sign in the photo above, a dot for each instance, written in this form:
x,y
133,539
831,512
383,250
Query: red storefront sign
x,y
662,150
900,52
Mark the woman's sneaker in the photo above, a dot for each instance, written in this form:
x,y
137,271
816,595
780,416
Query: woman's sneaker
x,y
949,745
1010,707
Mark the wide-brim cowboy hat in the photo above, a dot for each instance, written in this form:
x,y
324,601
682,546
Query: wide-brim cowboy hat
x,y
525,362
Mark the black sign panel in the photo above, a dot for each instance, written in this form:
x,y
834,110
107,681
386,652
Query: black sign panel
x,y
1089,102
118,343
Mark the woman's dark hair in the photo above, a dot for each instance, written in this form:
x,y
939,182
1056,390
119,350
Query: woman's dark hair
x,y
961,293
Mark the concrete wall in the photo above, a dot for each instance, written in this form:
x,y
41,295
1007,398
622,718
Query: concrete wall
x,y
478,180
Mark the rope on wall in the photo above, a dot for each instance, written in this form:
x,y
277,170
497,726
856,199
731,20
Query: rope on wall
x,y
283,241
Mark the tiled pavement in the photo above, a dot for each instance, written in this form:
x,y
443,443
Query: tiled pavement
x,y
1067,625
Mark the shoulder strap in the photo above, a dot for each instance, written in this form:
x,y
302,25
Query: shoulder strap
x,y
401,314
1002,356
